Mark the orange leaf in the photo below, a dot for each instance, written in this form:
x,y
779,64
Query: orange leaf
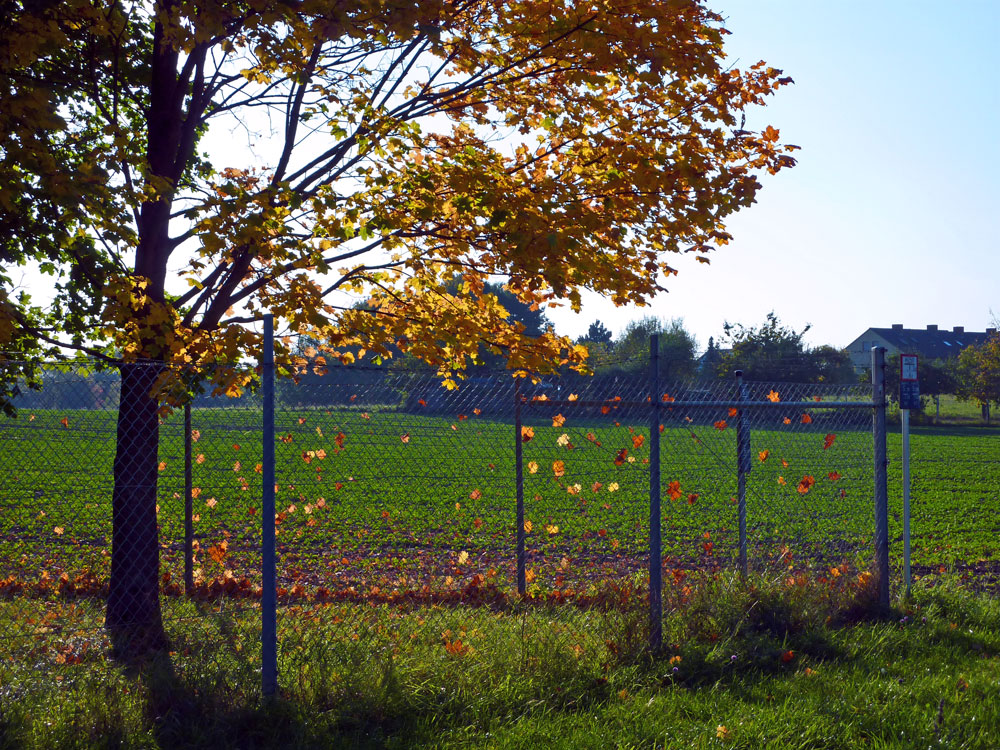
x,y
405,437
720,425
786,420
621,457
527,433
773,397
805,484
692,497
788,656
667,398
572,397
763,455
58,530
477,411
674,490
806,419
637,441
558,420
733,411
462,417
64,421
558,468
784,463
421,402
781,481
475,494
162,466
605,409
834,476
828,440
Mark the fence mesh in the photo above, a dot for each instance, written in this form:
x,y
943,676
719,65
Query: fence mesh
x,y
397,515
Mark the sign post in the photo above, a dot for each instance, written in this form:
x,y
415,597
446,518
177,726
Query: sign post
x,y
909,398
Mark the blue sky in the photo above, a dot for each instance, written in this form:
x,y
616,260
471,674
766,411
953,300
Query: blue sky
x,y
893,212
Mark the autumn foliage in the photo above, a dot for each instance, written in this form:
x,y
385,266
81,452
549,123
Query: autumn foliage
x,y
560,145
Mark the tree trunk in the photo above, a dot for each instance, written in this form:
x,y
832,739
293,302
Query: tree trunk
x,y
133,617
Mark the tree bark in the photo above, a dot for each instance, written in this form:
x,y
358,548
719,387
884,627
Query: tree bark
x,y
133,618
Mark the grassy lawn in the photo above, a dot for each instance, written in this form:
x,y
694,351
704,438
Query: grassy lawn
x,y
773,666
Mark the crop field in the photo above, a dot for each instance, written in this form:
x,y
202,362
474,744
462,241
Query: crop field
x,y
385,500
397,538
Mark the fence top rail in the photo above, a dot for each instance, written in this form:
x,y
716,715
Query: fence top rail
x,y
716,404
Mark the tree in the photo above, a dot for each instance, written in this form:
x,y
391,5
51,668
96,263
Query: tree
x,y
598,333
710,360
979,374
676,347
561,146
936,377
771,352
832,365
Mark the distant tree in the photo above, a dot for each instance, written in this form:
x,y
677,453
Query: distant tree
x,y
676,352
979,374
598,333
832,365
770,352
937,376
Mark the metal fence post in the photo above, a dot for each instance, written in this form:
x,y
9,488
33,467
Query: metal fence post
x,y
269,599
655,553
742,468
881,484
188,505
519,480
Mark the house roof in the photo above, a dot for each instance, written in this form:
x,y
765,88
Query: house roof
x,y
931,342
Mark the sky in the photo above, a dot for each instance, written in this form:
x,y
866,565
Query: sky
x,y
893,212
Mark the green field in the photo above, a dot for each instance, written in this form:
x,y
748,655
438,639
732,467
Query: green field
x,y
399,627
392,499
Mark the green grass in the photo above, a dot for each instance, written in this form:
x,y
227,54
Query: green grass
x,y
386,499
405,511
767,666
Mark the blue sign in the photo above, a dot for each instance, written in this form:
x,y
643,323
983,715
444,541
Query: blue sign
x,y
909,394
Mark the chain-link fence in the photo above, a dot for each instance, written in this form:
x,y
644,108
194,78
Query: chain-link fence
x,y
503,519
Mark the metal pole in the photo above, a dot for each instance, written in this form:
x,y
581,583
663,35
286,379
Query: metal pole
x,y
655,550
906,498
881,484
519,481
188,505
269,598
742,466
